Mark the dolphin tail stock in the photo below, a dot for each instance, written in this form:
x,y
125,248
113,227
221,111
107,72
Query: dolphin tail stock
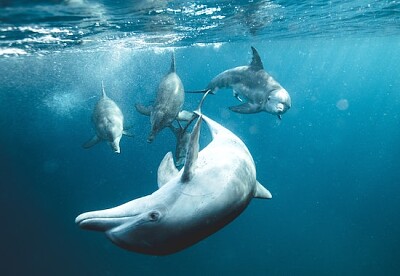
x,y
198,109
208,90
172,69
103,92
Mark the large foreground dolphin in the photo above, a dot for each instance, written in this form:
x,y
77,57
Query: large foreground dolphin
x,y
108,122
212,189
255,85
168,102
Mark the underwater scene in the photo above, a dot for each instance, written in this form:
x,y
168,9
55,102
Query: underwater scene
x,y
257,137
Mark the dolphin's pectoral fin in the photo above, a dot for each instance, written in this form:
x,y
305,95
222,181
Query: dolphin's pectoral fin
x,y
192,152
185,116
145,110
245,108
262,192
280,117
126,133
256,63
166,170
91,142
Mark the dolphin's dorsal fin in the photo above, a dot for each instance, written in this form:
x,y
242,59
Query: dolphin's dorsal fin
x,y
166,170
262,192
192,152
172,69
256,63
103,92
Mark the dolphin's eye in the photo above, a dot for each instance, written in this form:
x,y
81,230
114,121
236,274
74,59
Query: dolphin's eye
x,y
153,216
269,98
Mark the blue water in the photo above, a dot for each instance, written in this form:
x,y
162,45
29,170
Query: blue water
x,y
332,163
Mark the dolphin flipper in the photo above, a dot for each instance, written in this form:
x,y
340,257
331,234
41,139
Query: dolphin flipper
x,y
126,133
166,170
91,142
246,108
145,110
262,192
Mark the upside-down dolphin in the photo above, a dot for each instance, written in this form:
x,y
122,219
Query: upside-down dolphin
x,y
108,122
168,103
255,85
215,185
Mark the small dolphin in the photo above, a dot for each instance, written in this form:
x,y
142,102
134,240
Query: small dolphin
x,y
255,85
181,134
168,102
182,142
212,189
109,123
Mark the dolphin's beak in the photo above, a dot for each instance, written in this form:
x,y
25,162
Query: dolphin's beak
x,y
90,221
280,107
107,219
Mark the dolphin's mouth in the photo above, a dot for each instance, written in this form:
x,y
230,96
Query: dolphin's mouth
x,y
100,224
280,107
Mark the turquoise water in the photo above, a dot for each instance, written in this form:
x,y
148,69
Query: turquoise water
x,y
332,163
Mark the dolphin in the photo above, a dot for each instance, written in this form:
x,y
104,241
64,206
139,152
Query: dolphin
x,y
182,142
215,185
168,103
181,134
108,121
253,84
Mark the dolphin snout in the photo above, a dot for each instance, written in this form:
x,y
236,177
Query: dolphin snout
x,y
89,221
280,107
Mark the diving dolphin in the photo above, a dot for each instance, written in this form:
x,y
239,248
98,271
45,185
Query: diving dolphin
x,y
211,190
182,142
108,122
181,134
255,85
168,102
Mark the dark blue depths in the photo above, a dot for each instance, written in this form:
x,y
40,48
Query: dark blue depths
x,y
332,163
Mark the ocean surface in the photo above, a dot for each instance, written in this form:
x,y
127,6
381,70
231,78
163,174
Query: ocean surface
x,y
332,163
